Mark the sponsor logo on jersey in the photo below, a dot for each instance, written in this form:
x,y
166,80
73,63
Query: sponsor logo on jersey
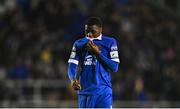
x,y
89,60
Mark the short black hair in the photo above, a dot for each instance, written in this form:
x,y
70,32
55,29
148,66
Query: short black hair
x,y
94,21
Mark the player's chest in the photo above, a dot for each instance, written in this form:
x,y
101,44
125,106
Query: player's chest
x,y
87,58
102,47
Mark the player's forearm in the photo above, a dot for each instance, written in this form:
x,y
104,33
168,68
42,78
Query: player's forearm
x,y
72,71
112,65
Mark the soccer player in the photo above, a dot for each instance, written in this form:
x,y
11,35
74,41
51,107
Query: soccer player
x,y
97,56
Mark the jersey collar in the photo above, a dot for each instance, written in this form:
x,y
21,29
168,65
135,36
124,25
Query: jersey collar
x,y
98,38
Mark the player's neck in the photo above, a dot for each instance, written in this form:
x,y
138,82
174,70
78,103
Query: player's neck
x,y
99,37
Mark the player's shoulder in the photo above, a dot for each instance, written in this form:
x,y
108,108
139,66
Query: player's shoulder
x,y
79,43
110,42
80,40
108,38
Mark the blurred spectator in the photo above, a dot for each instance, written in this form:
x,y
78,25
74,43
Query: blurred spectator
x,y
140,94
18,70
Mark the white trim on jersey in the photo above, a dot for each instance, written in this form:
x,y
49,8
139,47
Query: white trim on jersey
x,y
116,60
73,54
73,61
98,38
114,54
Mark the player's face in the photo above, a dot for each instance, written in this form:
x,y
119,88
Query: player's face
x,y
93,31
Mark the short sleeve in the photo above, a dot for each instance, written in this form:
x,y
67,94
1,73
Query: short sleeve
x,y
114,51
74,58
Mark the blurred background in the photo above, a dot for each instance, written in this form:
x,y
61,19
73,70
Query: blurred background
x,y
36,37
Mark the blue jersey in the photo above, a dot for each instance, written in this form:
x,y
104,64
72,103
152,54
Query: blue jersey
x,y
94,76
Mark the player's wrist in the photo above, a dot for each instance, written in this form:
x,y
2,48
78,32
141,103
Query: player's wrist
x,y
97,53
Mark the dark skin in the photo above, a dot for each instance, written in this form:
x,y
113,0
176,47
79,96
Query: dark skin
x,y
92,32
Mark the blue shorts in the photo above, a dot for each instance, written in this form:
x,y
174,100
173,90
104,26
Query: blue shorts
x,y
95,101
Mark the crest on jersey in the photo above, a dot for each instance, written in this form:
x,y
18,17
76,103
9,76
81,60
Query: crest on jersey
x,y
114,48
114,54
89,60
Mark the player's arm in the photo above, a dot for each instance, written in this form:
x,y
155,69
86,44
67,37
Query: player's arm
x,y
72,76
113,62
112,65
72,65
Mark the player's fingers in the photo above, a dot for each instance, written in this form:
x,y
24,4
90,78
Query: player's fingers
x,y
76,83
77,86
88,46
91,44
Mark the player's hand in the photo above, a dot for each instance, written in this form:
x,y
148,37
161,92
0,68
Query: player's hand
x,y
93,48
75,85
